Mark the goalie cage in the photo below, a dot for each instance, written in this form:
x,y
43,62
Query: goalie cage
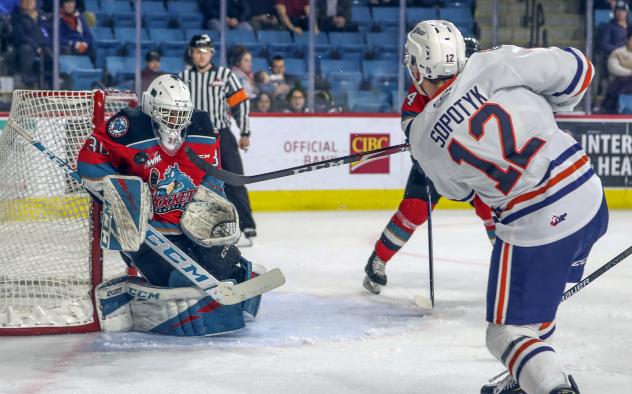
x,y
50,259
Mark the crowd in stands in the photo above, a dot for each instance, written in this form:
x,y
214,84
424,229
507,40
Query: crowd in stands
x,y
356,45
614,56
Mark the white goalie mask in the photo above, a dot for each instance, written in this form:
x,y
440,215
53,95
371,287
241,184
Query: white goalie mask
x,y
434,50
168,102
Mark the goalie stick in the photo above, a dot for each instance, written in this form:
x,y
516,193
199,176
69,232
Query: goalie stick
x,y
239,180
224,292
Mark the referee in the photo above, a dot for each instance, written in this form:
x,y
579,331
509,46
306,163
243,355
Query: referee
x,y
217,91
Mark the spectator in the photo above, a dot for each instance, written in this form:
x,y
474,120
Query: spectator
x,y
278,78
241,61
615,32
32,39
263,15
152,68
6,9
263,103
620,66
335,15
296,101
324,103
47,5
293,15
237,14
75,37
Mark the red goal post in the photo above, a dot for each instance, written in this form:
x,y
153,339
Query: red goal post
x,y
50,259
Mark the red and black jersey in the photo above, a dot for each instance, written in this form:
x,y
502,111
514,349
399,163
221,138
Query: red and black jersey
x,y
128,146
414,103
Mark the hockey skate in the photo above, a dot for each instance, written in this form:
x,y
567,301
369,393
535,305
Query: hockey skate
x,y
375,277
509,386
246,239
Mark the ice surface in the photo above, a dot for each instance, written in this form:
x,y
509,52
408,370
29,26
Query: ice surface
x,y
323,333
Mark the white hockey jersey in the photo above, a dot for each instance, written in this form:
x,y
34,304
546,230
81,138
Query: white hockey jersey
x,y
491,131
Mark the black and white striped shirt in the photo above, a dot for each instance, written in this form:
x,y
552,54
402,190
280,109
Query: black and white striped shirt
x,y
217,92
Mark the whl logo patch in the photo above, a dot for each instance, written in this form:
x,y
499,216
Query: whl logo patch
x,y
555,220
366,142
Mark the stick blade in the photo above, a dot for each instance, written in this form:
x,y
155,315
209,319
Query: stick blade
x,y
234,294
424,304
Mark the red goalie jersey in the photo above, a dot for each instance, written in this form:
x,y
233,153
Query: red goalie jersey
x,y
128,146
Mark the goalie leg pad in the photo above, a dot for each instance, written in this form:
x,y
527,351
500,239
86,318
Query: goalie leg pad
x,y
183,311
113,305
127,208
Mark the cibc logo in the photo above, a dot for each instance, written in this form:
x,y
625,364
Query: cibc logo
x,y
368,142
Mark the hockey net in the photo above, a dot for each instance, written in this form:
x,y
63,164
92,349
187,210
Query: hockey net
x,y
50,259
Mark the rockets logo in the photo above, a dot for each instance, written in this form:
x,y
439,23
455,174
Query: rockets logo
x,y
173,191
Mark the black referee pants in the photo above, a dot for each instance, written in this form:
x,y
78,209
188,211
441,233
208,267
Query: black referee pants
x,y
231,161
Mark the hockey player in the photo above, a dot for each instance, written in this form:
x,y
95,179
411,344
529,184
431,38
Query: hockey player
x,y
413,210
489,131
186,206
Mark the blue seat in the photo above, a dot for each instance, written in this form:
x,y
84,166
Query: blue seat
x,y
385,69
102,33
105,48
172,65
323,48
331,67
93,5
348,41
183,7
68,63
361,15
625,104
601,17
296,67
189,20
386,16
160,34
275,40
173,48
155,14
129,34
112,6
244,38
260,63
361,101
85,79
415,15
457,15
121,68
383,42
120,12
345,81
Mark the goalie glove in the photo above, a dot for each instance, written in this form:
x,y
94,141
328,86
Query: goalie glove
x,y
210,220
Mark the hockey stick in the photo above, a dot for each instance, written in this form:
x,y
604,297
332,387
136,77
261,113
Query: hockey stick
x,y
426,304
240,180
597,273
225,292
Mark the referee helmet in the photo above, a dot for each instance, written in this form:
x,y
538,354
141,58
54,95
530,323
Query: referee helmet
x,y
201,41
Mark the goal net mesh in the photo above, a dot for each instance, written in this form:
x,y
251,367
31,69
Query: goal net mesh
x,y
49,257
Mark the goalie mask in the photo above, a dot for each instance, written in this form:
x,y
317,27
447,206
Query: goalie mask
x,y
168,102
210,220
434,50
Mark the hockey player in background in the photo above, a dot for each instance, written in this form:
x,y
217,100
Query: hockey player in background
x,y
184,204
489,131
413,209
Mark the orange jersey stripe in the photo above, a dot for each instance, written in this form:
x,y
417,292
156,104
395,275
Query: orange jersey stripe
x,y
587,77
552,182
503,284
544,326
237,98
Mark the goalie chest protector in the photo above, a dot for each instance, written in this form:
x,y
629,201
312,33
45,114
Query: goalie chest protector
x,y
133,149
